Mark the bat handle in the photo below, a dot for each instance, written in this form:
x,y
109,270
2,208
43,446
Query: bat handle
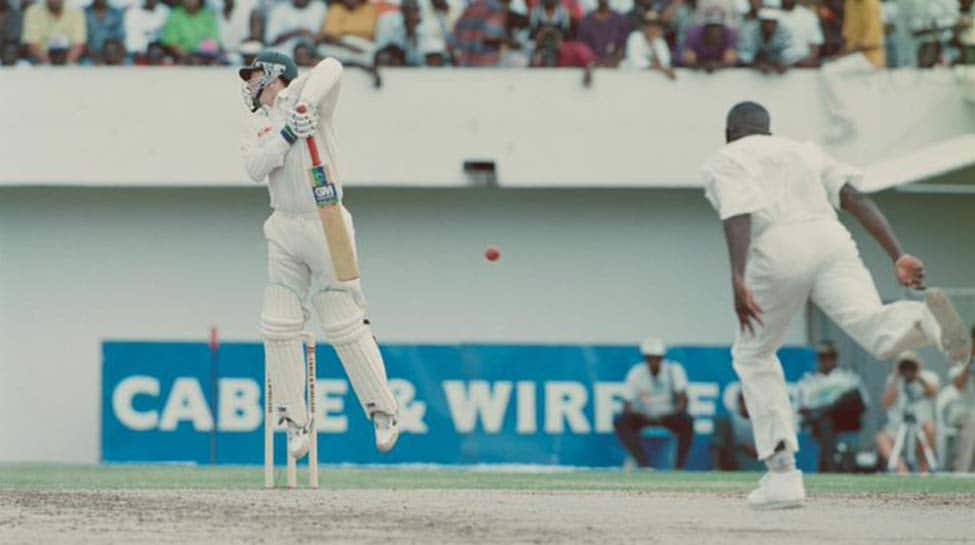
x,y
316,161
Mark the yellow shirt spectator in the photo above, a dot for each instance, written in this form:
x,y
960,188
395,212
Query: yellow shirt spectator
x,y
41,24
350,18
863,30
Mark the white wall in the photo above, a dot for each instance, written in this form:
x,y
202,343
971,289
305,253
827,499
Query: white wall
x,y
81,265
635,129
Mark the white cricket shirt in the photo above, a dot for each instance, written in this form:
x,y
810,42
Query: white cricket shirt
x,y
654,395
776,180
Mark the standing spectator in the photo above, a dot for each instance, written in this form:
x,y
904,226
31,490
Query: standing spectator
x,y
764,45
443,15
234,26
191,29
831,400
294,21
909,399
863,30
143,26
711,45
655,394
104,23
805,32
647,49
733,441
549,14
518,44
11,23
479,33
552,51
605,32
50,22
961,414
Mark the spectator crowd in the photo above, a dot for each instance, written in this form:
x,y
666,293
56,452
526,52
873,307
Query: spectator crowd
x,y
769,35
928,422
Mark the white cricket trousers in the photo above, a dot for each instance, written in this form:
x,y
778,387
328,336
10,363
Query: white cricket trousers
x,y
787,265
298,255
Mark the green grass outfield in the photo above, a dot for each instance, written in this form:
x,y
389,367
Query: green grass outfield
x,y
31,476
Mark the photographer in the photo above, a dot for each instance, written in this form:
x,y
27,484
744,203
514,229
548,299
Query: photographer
x,y
909,399
961,413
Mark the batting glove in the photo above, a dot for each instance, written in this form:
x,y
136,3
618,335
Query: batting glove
x,y
300,124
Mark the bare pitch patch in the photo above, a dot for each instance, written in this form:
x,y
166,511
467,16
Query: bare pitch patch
x,y
467,516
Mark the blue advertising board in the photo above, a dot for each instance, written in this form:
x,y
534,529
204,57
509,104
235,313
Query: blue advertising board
x,y
460,404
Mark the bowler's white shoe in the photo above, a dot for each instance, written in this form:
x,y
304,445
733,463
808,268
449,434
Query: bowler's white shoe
x,y
778,491
387,431
955,342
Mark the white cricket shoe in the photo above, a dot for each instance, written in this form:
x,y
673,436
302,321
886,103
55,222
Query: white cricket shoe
x,y
778,491
955,342
387,431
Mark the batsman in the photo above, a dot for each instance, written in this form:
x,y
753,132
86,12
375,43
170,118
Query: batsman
x,y
311,243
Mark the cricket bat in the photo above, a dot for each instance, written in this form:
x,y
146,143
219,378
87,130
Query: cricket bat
x,y
330,211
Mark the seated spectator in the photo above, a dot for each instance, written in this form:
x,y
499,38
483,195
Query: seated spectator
x,y
932,22
11,23
551,51
104,23
390,55
831,21
961,414
304,55
710,46
191,29
350,25
605,32
863,31
572,7
407,31
479,33
234,26
733,441
143,25
155,55
635,14
50,22
806,34
10,55
729,9
678,17
764,45
113,53
831,401
290,23
549,14
909,400
965,33
655,394
518,43
646,48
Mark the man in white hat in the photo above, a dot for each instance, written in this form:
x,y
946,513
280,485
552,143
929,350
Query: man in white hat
x,y
655,394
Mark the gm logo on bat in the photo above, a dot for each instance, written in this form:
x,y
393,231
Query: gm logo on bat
x,y
325,194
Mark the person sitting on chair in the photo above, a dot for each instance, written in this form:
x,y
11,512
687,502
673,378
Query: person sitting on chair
x,y
655,394
831,401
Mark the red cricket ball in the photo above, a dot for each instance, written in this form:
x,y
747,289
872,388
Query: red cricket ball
x,y
492,253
